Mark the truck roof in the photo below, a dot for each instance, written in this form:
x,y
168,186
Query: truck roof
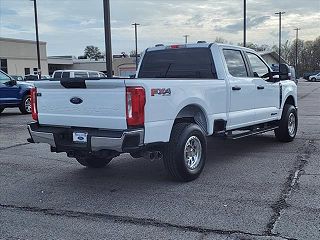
x,y
196,45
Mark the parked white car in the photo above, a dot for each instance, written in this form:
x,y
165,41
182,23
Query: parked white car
x,y
182,94
314,78
77,74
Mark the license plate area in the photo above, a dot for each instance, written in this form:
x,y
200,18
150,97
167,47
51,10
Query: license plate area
x,y
80,137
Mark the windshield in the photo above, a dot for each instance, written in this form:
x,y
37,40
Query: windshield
x,y
178,63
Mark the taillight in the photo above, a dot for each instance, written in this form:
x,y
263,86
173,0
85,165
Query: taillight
x,y
34,109
136,99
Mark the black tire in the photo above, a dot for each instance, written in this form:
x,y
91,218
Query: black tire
x,y
285,133
93,162
25,106
174,152
1,109
313,80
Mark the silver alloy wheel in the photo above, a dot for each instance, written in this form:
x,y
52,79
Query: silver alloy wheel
x,y
27,105
292,125
192,152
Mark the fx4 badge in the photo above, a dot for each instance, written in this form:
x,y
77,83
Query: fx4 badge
x,y
161,91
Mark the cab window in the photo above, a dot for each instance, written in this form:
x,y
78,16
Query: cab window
x,y
66,75
80,74
259,68
235,63
93,74
4,78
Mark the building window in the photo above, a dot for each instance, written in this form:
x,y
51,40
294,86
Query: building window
x,y
26,71
4,65
35,70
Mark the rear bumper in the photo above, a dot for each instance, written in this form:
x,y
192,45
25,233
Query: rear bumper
x,y
60,139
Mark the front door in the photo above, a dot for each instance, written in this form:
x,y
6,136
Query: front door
x,y
242,90
267,93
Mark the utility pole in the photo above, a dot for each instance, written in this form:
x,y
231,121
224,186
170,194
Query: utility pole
x,y
37,37
297,39
186,38
245,23
136,41
107,38
280,16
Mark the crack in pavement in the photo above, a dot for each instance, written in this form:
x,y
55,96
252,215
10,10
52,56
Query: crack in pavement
x,y
131,220
292,180
13,146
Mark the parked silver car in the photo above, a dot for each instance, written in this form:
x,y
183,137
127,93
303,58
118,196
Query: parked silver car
x,y
314,78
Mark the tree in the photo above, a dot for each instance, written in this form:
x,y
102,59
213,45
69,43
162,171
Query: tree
x,y
92,52
220,40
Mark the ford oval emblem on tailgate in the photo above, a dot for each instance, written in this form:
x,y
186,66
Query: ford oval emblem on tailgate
x,y
76,100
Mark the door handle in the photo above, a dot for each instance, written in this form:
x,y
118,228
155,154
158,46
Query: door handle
x,y
236,88
260,87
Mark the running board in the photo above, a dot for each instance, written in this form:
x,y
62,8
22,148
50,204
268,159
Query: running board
x,y
249,133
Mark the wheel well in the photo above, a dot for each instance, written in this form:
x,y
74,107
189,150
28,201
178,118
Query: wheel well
x,y
194,114
290,100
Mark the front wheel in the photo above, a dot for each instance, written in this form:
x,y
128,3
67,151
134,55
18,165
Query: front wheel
x,y
1,109
94,162
25,106
313,80
185,154
288,125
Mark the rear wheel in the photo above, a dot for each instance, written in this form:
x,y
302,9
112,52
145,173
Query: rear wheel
x,y
25,106
185,154
94,162
288,125
1,109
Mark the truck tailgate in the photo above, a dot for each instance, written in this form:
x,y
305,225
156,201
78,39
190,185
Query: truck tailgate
x,y
100,104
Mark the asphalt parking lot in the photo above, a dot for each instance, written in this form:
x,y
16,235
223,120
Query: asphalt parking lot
x,y
253,188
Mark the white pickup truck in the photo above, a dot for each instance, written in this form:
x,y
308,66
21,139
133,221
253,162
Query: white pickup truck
x,y
181,95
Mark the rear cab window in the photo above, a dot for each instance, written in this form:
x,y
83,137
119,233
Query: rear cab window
x,y
178,63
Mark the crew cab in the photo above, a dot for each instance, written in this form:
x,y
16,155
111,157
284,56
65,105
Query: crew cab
x,y
181,95
14,94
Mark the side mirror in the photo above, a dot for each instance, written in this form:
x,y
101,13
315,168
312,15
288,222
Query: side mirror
x,y
284,72
12,82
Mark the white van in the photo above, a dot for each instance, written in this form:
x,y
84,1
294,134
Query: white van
x,y
77,74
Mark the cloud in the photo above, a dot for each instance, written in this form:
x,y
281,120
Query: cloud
x,y
238,26
69,25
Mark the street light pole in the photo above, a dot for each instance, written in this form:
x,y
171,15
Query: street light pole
x,y
107,37
280,16
245,23
186,38
136,41
37,37
297,39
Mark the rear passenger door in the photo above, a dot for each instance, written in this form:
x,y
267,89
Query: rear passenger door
x,y
242,90
267,93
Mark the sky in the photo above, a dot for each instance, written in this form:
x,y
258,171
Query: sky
x,y
68,26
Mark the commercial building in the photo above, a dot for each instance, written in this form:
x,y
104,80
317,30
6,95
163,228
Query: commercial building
x,y
122,66
19,57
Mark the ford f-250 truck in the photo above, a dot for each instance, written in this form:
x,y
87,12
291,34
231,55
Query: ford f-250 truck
x,y
181,95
